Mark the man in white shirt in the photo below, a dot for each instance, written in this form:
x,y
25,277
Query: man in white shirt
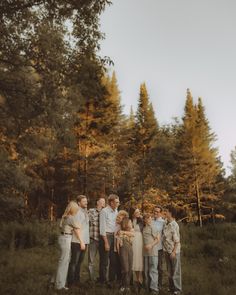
x,y
107,226
79,246
158,224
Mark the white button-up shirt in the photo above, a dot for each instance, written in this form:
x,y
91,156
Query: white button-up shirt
x,y
82,218
107,222
158,224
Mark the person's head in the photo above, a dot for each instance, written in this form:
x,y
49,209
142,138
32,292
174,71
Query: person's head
x,y
71,209
113,201
170,212
147,219
121,215
82,201
126,224
157,212
134,213
101,203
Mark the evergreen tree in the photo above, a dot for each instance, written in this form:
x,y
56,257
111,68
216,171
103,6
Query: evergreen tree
x,y
146,131
198,165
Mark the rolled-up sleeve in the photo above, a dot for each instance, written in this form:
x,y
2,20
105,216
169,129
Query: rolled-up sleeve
x,y
176,236
102,223
75,224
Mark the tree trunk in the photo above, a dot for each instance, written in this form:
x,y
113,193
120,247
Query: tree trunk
x,y
198,204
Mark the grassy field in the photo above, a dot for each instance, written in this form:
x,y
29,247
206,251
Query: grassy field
x,y
29,260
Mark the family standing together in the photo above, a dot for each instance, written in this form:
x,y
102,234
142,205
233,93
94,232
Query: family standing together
x,y
131,247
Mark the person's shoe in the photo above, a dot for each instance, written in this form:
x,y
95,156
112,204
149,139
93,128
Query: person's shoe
x,y
154,292
63,289
176,293
122,290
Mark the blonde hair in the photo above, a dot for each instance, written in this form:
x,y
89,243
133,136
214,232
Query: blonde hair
x,y
123,213
71,209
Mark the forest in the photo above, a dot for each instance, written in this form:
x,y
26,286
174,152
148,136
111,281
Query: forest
x,y
63,130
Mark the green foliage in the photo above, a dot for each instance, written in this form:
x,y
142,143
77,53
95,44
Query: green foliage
x,y
16,236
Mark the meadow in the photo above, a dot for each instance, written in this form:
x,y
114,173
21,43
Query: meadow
x,y
29,253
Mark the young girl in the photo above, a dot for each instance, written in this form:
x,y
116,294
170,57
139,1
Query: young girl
x,y
124,248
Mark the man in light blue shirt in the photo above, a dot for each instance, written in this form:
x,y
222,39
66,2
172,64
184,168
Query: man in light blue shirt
x,y
158,223
107,226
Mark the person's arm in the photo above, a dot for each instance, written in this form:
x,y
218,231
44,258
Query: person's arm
x,y
176,239
155,242
117,244
77,232
102,229
127,233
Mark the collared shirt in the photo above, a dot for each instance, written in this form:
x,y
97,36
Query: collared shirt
x,y
83,219
107,222
159,224
171,236
150,233
94,224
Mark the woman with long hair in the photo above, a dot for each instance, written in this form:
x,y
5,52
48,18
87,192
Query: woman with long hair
x,y
67,226
135,216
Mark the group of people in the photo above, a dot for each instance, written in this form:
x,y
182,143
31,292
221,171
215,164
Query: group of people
x,y
131,247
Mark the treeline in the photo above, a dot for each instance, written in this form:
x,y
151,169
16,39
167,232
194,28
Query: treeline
x,y
63,131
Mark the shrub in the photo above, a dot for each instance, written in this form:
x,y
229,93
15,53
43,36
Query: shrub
x,y
27,235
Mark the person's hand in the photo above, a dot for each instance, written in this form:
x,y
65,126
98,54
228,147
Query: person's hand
x,y
107,247
173,255
148,247
82,246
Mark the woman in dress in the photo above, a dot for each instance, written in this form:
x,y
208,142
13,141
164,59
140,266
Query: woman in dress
x,y
137,245
67,226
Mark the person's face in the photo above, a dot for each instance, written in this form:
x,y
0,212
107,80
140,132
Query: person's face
x,y
115,204
157,213
137,213
119,218
83,203
149,220
101,203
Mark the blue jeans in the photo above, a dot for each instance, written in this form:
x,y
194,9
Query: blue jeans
x,y
92,252
151,272
174,272
77,257
63,264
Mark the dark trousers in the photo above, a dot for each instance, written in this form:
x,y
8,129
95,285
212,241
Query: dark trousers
x,y
126,261
77,257
160,267
108,258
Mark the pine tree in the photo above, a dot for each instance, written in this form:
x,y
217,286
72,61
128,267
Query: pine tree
x,y
198,166
146,131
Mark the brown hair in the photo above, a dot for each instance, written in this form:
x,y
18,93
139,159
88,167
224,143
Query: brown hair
x,y
79,198
172,210
124,223
156,207
145,217
112,198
